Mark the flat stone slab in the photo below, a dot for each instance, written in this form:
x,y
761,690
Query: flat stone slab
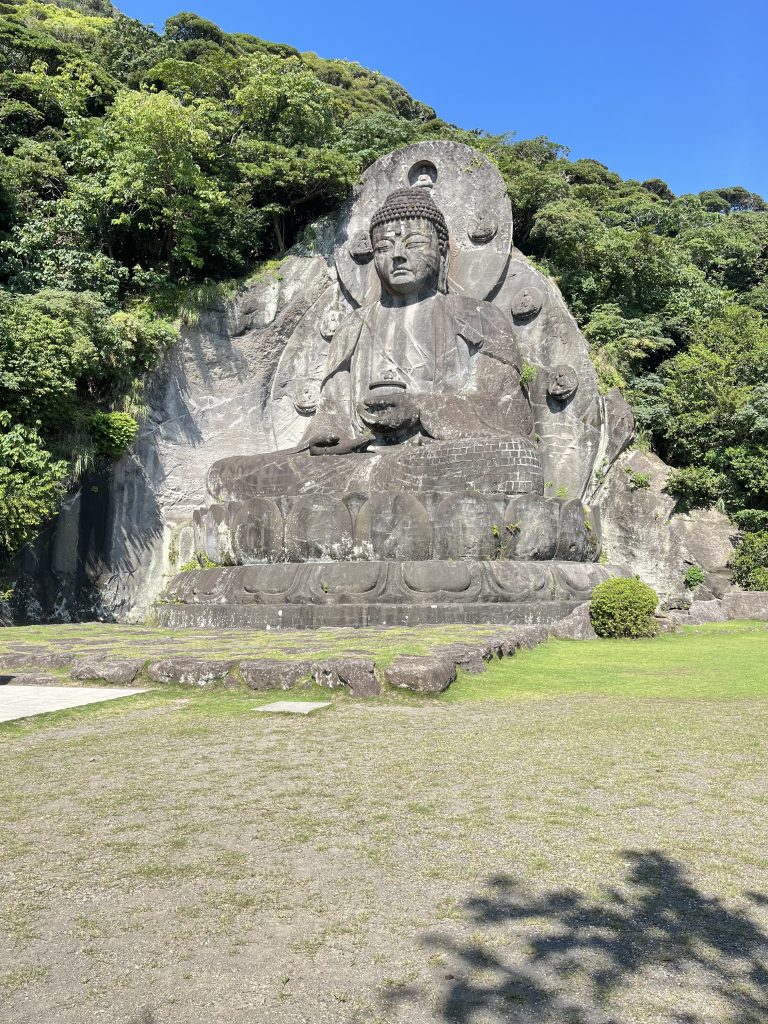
x,y
295,707
26,701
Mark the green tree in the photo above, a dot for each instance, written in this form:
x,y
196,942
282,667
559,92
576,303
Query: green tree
x,y
30,485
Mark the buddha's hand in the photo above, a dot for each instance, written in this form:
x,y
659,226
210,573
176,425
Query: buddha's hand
x,y
323,439
388,410
331,444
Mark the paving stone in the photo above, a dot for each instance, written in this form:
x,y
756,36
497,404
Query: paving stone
x,y
294,707
35,658
111,670
26,701
423,674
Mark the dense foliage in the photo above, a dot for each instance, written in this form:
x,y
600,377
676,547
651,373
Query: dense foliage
x,y
135,166
749,563
623,608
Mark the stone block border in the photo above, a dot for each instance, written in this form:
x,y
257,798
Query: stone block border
x,y
358,675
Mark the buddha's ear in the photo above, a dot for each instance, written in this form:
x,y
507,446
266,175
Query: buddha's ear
x,y
442,274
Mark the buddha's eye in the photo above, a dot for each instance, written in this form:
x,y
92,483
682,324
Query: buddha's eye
x,y
383,246
416,243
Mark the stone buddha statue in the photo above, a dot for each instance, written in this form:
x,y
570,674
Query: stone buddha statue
x,y
405,476
408,375
419,363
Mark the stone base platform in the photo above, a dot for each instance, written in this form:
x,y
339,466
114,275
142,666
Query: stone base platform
x,y
314,594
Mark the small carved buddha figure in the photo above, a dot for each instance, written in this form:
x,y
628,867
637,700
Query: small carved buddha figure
x,y
415,366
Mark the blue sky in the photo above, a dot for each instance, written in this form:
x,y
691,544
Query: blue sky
x,y
674,90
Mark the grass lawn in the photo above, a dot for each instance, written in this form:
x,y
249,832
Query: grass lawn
x,y
578,835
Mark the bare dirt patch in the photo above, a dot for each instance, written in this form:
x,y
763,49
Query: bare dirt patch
x,y
571,859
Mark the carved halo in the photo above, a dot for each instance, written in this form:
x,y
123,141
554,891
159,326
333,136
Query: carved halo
x,y
464,185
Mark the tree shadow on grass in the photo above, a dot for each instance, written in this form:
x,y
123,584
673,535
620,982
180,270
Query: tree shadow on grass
x,y
570,953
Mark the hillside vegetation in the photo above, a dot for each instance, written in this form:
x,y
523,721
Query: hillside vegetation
x,y
137,169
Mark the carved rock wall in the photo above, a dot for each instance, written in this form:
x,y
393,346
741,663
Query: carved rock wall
x,y
642,531
244,380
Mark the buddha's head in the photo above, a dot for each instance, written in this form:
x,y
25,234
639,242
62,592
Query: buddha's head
x,y
410,243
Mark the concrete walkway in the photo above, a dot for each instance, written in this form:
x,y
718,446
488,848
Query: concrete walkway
x,y
25,701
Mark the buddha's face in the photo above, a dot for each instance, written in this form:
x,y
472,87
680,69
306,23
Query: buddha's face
x,y
407,256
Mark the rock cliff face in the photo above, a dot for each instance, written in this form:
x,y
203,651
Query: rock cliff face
x,y
243,380
642,531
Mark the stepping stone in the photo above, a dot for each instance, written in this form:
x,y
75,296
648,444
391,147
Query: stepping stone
x,y
295,707
26,701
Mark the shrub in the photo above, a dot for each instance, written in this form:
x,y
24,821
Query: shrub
x,y
623,608
753,520
639,481
749,562
695,486
693,577
113,432
30,485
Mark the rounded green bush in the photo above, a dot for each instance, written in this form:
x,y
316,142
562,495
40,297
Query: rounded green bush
x,y
113,432
749,562
623,607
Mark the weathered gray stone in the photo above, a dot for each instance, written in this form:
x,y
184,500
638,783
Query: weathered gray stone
x,y
747,605
576,626
191,671
274,673
362,583
466,656
355,673
257,532
429,674
532,636
29,679
642,531
698,613
394,527
502,645
619,425
319,528
110,670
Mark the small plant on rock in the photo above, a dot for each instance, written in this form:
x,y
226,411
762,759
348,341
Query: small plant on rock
x,y
623,607
638,481
693,577
200,561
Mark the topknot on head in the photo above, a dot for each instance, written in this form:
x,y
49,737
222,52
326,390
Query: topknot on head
x,y
412,204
